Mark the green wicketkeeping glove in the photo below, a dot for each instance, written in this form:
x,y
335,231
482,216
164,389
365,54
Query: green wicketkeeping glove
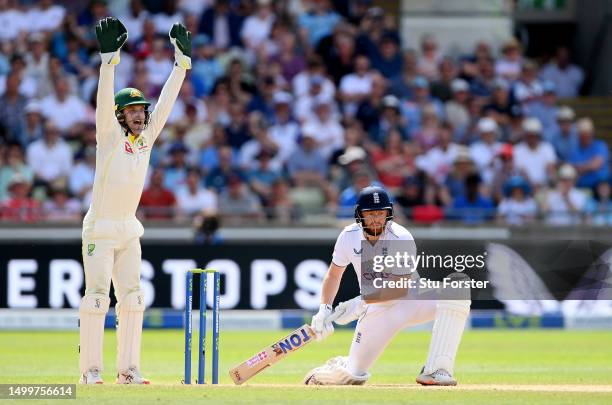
x,y
181,39
111,35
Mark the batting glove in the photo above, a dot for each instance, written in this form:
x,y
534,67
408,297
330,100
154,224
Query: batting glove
x,y
349,310
181,39
111,35
320,324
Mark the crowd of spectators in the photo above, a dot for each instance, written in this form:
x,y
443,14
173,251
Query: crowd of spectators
x,y
291,107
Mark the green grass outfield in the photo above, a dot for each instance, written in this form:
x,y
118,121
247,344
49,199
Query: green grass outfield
x,y
497,366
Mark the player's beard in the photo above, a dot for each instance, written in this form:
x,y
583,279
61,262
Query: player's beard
x,y
374,231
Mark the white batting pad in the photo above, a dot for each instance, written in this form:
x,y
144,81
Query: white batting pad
x,y
91,330
446,334
129,330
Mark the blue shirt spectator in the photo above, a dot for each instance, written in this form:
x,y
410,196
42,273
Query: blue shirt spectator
x,y
591,157
318,22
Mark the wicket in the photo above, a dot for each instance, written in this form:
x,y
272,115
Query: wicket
x,y
202,336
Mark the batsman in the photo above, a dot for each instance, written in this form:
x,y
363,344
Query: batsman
x,y
379,320
125,133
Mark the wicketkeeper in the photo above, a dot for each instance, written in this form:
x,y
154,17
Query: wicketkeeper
x,y
125,133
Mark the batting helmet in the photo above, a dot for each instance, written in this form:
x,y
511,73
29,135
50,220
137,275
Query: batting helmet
x,y
373,198
126,97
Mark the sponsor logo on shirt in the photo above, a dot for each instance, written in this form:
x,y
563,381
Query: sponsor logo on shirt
x,y
128,148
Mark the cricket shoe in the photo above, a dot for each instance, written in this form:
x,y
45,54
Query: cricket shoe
x,y
131,376
334,372
92,376
438,377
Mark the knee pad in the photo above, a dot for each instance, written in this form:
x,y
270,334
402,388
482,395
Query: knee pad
x,y
94,304
132,302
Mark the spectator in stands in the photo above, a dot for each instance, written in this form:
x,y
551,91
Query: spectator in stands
x,y
262,101
14,166
348,196
504,170
317,22
484,79
545,109
356,87
563,136
237,130
207,67
209,153
167,15
599,206
46,16
134,20
389,119
37,62
592,157
412,109
157,202
281,207
518,206
386,57
158,63
534,157
261,178
566,76
455,110
565,204
237,203
401,85
257,26
438,161
509,65
288,57
429,60
260,140
33,128
441,88
20,207
454,185
325,128
527,88
284,131
222,25
66,110
50,157
500,107
193,198
61,206
473,206
392,164
484,151
307,166
82,176
175,174
369,110
302,82
427,135
12,108
218,176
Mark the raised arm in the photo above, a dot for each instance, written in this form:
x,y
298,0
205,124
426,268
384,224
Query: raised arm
x,y
111,35
181,39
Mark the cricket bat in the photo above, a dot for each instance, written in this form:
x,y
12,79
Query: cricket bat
x,y
274,353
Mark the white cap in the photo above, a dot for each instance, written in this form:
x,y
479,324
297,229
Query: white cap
x,y
282,97
532,126
352,154
565,113
459,85
32,106
567,171
585,125
487,125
